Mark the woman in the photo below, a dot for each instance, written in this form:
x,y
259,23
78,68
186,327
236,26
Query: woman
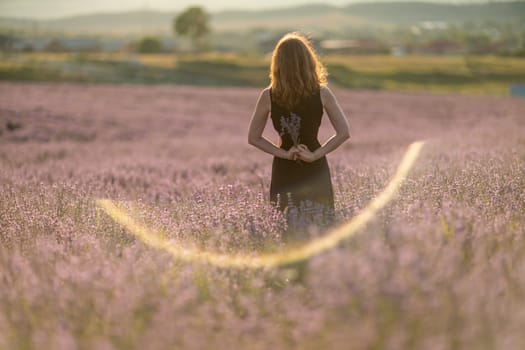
x,y
295,100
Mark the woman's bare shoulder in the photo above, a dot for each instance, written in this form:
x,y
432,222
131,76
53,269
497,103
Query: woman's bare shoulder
x,y
326,94
265,99
265,93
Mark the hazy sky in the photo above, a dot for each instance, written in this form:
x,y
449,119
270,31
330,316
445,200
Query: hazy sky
x,y
60,8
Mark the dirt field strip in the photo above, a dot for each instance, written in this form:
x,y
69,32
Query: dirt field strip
x,y
308,250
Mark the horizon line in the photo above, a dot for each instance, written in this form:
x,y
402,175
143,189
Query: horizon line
x,y
147,8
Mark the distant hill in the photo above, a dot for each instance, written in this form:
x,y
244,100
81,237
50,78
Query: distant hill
x,y
413,12
132,22
307,17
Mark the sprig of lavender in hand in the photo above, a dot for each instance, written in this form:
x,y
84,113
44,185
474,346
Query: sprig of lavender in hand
x,y
292,126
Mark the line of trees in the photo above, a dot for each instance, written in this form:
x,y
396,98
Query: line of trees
x,y
193,26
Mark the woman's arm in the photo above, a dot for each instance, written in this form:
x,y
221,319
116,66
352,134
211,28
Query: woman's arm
x,y
339,122
257,124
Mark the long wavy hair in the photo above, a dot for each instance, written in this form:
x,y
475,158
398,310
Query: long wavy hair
x,y
296,71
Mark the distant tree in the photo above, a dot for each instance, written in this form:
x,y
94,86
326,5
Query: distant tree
x,y
193,23
55,45
6,42
149,44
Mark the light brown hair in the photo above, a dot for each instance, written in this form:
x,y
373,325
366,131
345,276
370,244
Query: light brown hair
x,y
296,71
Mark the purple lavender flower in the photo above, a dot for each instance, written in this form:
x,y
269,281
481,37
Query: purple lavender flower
x,y
292,126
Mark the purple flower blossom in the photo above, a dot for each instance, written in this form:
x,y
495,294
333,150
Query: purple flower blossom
x,y
292,126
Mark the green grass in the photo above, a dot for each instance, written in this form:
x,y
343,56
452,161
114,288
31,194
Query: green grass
x,y
451,74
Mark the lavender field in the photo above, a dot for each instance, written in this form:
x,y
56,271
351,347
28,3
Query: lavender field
x,y
441,267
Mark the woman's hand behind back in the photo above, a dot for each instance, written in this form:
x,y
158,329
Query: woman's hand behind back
x,y
305,154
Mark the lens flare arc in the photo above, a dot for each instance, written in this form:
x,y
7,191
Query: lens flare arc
x,y
329,240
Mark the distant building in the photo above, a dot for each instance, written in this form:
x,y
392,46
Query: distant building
x,y
81,44
433,25
69,44
398,51
354,46
266,42
113,44
495,47
442,47
30,44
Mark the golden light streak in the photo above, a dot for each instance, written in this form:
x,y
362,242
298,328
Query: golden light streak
x,y
329,240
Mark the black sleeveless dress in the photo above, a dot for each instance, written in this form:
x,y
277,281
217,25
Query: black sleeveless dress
x,y
298,183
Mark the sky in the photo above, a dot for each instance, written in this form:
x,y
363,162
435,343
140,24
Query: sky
x,y
47,9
